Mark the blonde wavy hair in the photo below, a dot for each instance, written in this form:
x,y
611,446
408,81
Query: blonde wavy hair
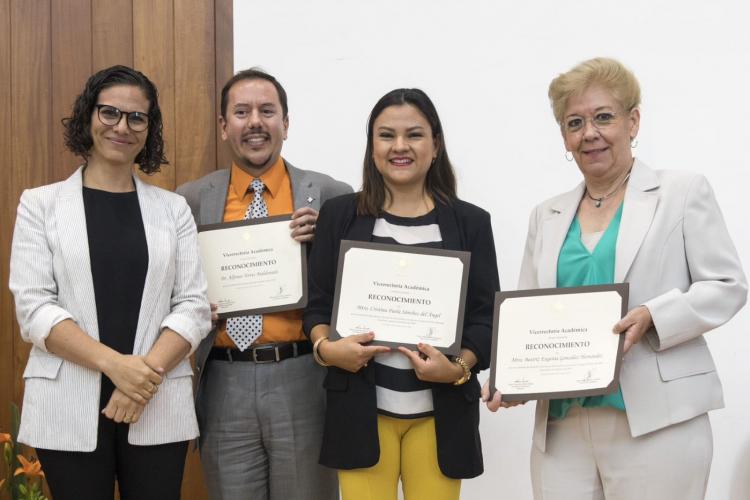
x,y
608,73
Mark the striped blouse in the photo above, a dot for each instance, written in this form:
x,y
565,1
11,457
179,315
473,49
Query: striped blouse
x,y
399,392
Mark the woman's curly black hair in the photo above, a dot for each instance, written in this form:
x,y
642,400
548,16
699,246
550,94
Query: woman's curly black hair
x,y
78,125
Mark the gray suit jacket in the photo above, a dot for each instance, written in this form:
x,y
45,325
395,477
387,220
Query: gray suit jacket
x,y
207,197
674,249
50,277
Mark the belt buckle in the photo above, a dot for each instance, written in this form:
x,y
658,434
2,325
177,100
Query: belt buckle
x,y
263,361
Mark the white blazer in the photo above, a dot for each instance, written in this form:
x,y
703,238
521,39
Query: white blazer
x,y
50,277
674,250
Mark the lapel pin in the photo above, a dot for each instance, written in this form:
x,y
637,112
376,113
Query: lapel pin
x,y
310,199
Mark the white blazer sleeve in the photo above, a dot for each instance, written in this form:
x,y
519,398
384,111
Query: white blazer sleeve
x,y
718,285
32,278
190,313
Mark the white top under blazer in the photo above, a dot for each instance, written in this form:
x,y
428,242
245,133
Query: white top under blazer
x,y
50,277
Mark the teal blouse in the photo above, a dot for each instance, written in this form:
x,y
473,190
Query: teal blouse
x,y
576,266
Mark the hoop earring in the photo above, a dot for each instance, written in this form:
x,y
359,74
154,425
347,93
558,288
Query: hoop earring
x,y
569,158
633,143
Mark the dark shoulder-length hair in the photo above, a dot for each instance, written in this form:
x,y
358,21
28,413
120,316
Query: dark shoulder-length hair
x,y
440,182
78,125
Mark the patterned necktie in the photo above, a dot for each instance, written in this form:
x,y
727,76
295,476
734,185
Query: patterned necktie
x,y
244,330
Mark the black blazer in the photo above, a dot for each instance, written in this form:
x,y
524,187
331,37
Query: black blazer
x,y
350,438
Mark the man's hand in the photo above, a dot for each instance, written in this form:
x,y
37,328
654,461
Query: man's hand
x,y
303,224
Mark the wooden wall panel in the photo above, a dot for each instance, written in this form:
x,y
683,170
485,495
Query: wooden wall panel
x,y
7,215
48,48
195,112
30,110
111,33
224,69
153,54
71,67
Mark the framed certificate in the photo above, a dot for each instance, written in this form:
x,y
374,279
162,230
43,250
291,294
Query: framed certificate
x,y
557,342
405,295
253,266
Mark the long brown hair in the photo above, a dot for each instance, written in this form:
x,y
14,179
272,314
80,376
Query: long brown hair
x,y
440,182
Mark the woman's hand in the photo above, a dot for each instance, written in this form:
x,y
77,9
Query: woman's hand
x,y
349,353
634,325
121,408
496,402
133,377
435,366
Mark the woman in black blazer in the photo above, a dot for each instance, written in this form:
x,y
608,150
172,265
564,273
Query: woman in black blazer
x,y
406,415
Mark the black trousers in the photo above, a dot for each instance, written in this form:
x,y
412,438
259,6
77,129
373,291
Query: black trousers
x,y
142,472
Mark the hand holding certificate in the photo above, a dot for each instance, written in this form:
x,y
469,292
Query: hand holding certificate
x,y
253,266
557,343
406,295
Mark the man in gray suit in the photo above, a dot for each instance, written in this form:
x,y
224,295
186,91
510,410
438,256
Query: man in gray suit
x,y
260,400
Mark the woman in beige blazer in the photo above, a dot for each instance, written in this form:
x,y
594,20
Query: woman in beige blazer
x,y
663,233
108,288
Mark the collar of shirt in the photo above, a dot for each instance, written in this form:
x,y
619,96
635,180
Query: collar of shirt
x,y
272,178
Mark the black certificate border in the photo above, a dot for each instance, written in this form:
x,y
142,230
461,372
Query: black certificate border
x,y
623,289
301,303
465,257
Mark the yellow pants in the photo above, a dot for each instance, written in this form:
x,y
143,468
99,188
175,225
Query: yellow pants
x,y
408,450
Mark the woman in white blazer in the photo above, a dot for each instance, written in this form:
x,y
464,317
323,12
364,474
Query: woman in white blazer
x,y
663,233
109,290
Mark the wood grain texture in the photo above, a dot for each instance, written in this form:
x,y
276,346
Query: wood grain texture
x,y
71,67
153,54
195,92
30,75
7,216
224,69
47,50
111,33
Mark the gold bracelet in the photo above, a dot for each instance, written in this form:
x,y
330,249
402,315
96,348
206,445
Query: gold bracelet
x,y
467,372
316,355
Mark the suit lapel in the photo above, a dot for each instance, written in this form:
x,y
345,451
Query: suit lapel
x,y
214,197
304,191
641,199
70,218
555,227
446,218
159,244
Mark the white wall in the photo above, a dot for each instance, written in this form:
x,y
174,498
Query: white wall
x,y
487,65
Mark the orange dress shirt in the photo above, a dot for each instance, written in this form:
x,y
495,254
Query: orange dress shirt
x,y
283,326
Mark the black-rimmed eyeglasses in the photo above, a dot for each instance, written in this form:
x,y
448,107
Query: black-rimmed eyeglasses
x,y
111,116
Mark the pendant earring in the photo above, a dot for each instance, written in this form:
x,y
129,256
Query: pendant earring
x,y
569,158
633,143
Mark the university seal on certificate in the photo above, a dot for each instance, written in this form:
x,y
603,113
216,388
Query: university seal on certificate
x,y
557,342
253,266
405,295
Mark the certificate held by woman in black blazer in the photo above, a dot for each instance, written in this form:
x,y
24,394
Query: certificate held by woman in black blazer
x,y
399,413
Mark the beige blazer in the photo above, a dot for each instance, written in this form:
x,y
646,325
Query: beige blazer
x,y
674,250
50,277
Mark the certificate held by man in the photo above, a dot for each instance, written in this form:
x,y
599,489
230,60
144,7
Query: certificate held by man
x,y
405,295
557,342
253,266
